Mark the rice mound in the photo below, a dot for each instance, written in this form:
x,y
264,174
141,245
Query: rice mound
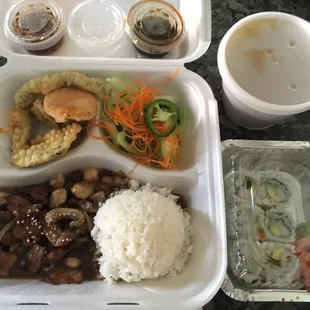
x,y
142,234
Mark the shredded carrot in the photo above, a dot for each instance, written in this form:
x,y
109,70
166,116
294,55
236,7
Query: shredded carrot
x,y
128,111
97,124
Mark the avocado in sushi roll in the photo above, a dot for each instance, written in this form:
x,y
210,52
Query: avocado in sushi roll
x,y
277,191
278,225
280,265
279,255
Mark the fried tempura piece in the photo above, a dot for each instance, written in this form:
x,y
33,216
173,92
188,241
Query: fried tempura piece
x,y
70,104
30,91
53,145
20,126
42,149
38,111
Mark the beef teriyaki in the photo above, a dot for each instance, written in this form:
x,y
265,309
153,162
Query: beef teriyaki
x,y
45,229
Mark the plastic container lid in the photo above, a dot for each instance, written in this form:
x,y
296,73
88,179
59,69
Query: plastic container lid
x,y
267,219
35,24
156,27
265,67
97,26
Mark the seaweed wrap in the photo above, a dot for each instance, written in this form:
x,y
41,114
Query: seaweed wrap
x,y
278,225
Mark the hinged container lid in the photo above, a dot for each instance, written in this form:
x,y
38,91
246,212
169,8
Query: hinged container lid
x,y
197,18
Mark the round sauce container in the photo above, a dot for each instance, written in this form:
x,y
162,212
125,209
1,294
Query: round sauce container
x,y
97,27
37,26
155,27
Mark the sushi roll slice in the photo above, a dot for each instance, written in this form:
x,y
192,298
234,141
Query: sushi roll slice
x,y
277,225
280,264
280,255
275,190
270,265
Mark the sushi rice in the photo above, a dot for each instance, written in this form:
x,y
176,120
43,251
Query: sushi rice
x,y
281,267
269,264
279,226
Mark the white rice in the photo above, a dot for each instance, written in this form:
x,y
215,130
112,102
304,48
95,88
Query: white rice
x,y
141,233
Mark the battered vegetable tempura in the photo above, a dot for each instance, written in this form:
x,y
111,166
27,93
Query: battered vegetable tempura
x,y
43,149
61,101
31,90
38,111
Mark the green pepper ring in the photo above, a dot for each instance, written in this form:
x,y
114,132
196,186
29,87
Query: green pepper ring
x,y
148,116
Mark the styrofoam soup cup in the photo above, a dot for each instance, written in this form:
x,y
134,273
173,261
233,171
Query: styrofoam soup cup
x,y
265,67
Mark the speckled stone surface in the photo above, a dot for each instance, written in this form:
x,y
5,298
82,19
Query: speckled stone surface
x,y
224,14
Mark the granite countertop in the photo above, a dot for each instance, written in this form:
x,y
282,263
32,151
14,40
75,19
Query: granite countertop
x,y
224,14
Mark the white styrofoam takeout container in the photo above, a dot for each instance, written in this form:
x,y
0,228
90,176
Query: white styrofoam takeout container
x,y
201,182
197,16
265,67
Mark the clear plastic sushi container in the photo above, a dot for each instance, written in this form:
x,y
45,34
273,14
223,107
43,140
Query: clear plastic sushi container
x,y
268,219
200,181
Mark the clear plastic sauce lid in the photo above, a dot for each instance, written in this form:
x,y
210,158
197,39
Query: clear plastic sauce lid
x,y
35,25
96,24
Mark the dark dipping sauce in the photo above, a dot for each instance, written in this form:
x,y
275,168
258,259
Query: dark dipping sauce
x,y
155,28
34,24
45,229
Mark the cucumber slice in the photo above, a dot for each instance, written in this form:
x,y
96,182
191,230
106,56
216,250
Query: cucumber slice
x,y
112,131
165,148
111,128
120,85
121,139
183,119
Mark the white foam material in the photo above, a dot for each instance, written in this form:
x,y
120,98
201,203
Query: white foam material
x,y
198,37
201,184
